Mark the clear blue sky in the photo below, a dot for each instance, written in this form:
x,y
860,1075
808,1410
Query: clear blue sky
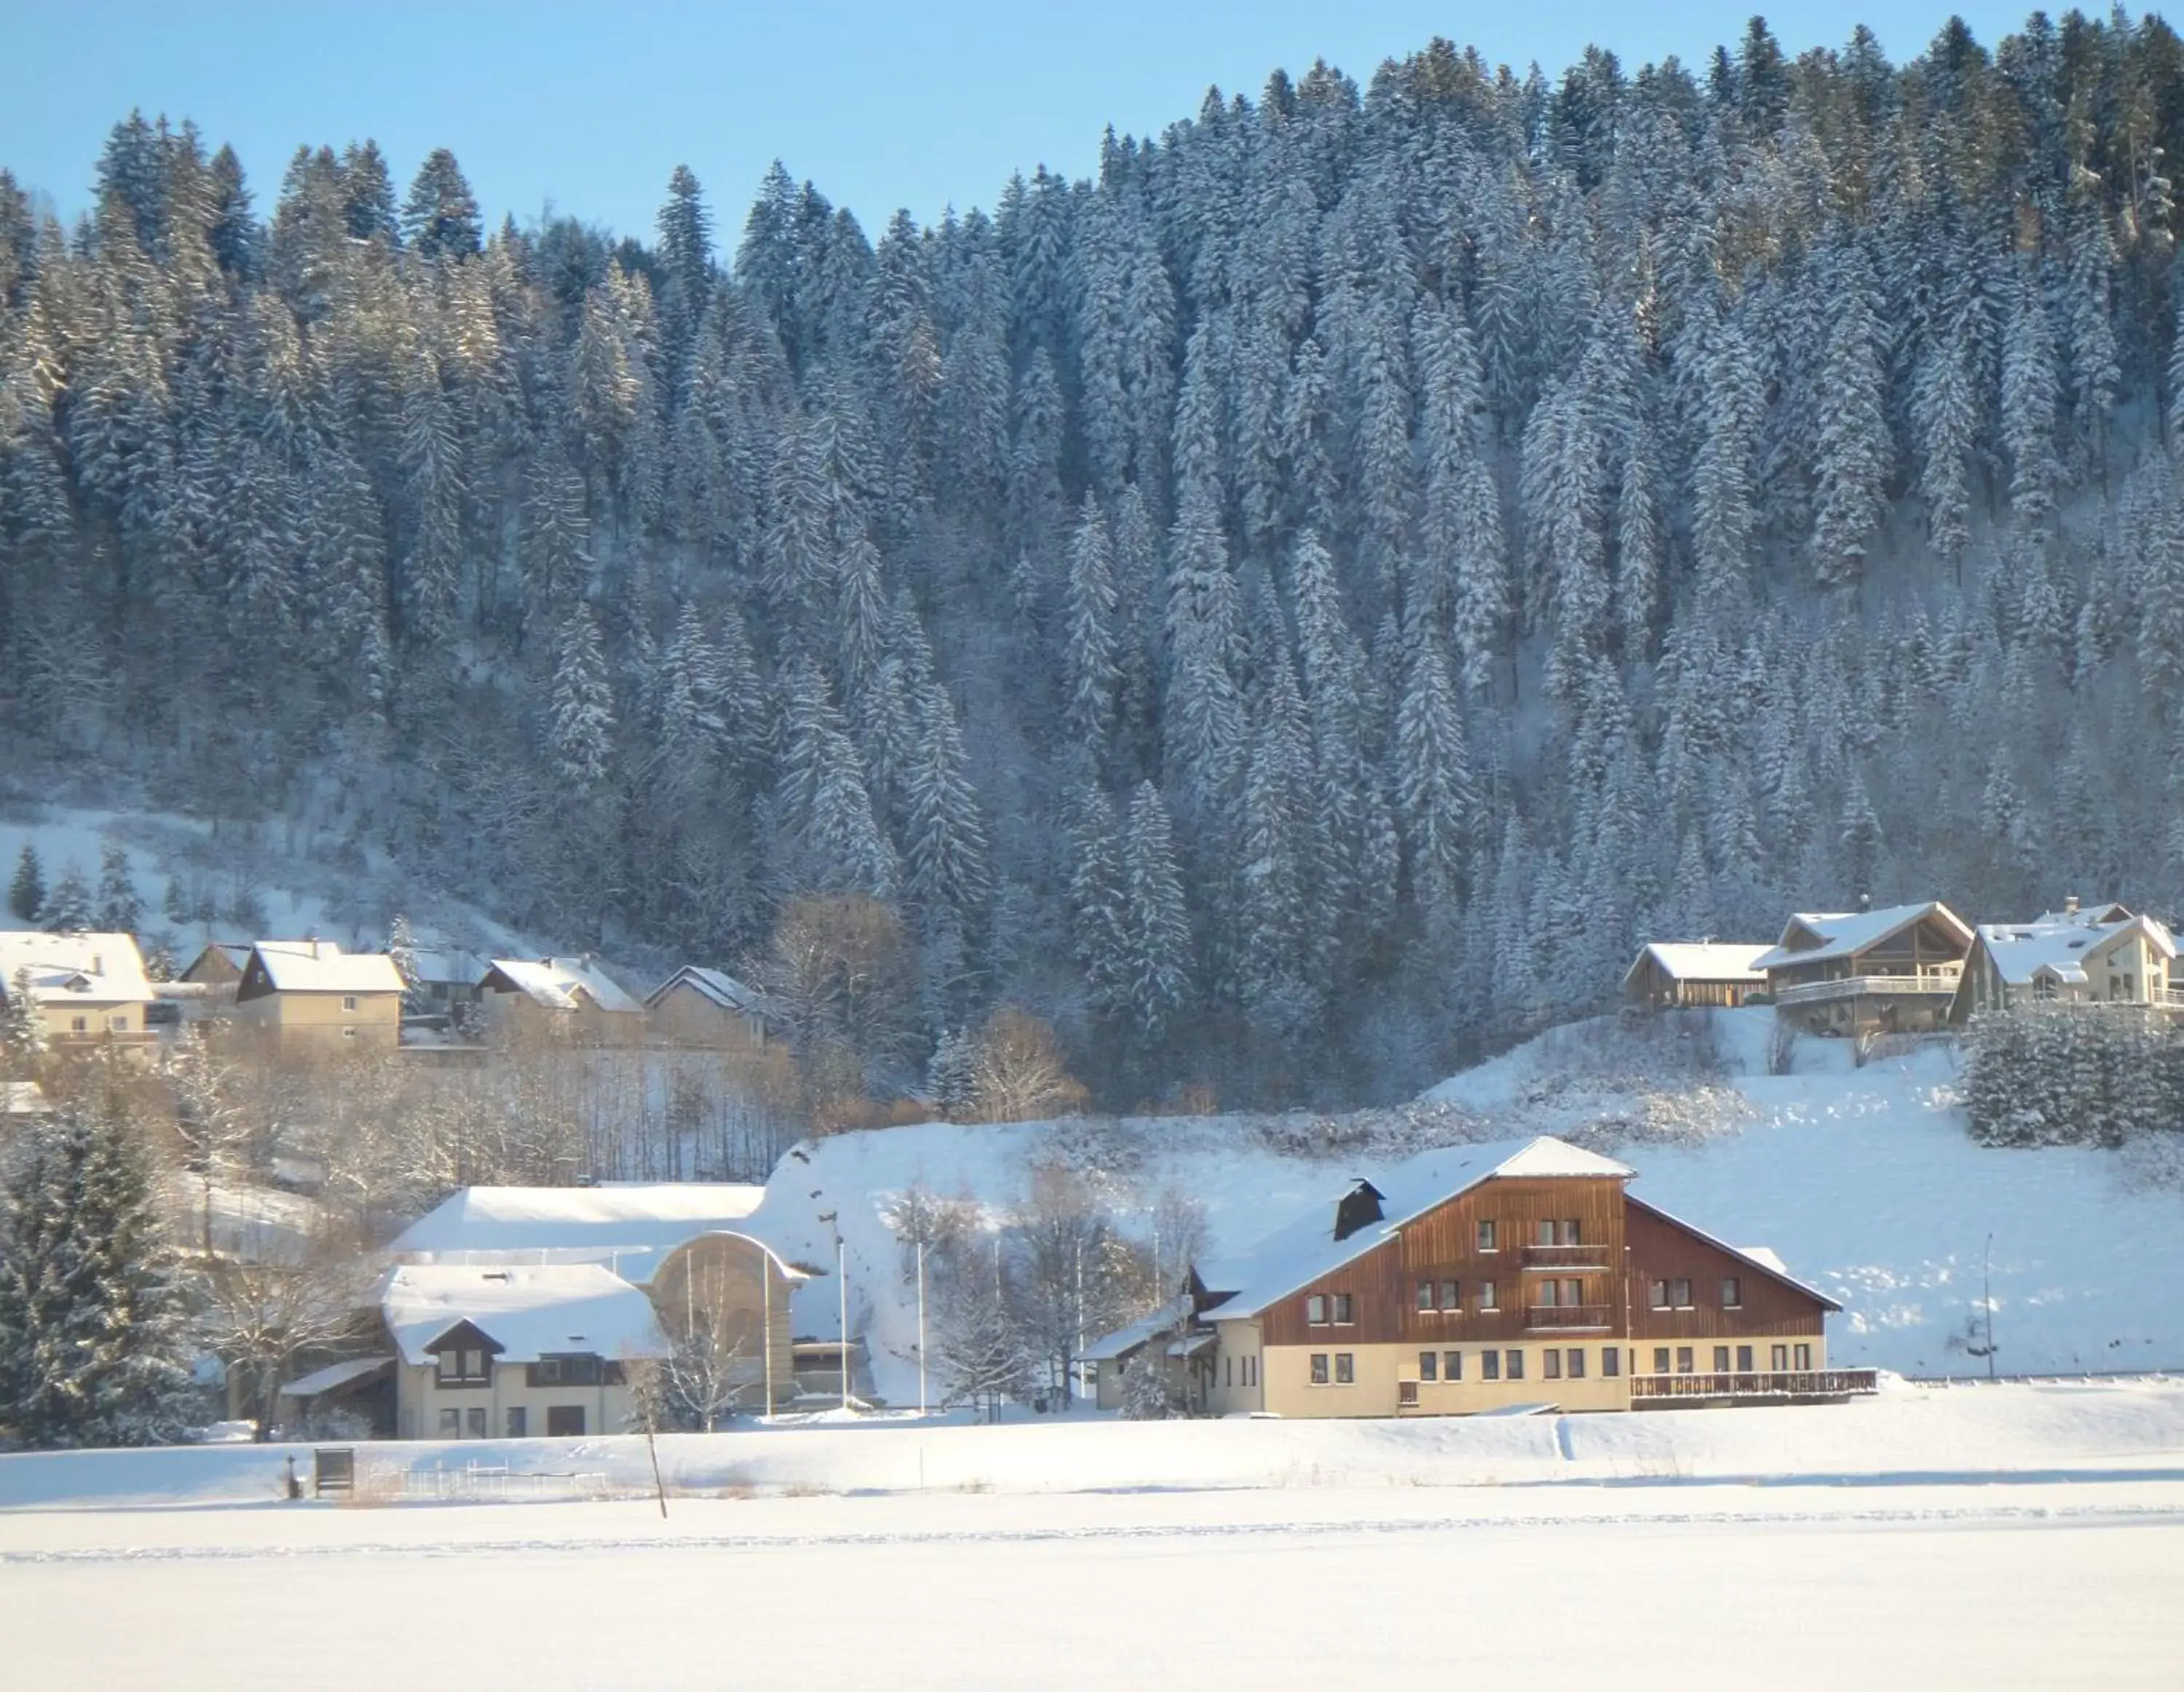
x,y
920,103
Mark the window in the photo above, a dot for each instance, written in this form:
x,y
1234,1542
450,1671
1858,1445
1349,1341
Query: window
x,y
1486,1236
1514,1365
546,1373
463,1367
519,1421
1744,1360
1426,1295
1428,1366
1657,1294
1227,1372
1569,1231
1315,1310
1549,1298
1449,1299
1550,1364
475,1417
1489,1366
1804,1356
1732,1293
1345,1369
118,1025
451,1424
1577,1362
1778,1358
1611,1359
565,1421
1319,1368
349,1033
567,1371
1660,1360
1685,1362
1680,1294
1451,1364
1342,1308
1487,1300
1547,1232
1572,1293
1721,1360
348,1001
80,1025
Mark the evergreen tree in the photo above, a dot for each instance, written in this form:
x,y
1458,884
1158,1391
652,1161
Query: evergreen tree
x,y
440,218
26,892
120,911
581,718
1155,937
68,907
93,1340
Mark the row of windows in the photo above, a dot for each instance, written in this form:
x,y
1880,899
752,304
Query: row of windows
x,y
1676,1296
81,1025
563,1421
1322,1308
1682,1359
1447,1296
1556,1363
1240,1372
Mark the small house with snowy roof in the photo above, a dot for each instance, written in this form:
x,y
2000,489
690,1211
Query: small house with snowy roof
x,y
1669,974
707,1008
87,989
2099,954
509,1351
559,999
1490,1277
311,996
1892,971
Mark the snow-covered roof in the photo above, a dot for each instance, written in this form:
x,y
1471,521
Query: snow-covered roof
x,y
1307,1248
1844,934
322,966
717,985
1758,1256
630,1228
529,1310
93,969
1703,961
1108,1348
2056,945
333,1375
556,983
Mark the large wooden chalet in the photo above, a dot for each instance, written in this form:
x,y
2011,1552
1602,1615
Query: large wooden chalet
x,y
1485,1277
1676,976
2096,955
1893,970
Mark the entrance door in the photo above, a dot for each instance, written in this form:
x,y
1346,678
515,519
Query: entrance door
x,y
565,1421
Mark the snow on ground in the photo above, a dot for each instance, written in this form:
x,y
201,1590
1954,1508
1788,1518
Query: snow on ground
x,y
297,893
2009,1536
1863,1180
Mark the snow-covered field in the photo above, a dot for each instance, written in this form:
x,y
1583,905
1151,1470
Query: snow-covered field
x,y
1988,1536
1862,1179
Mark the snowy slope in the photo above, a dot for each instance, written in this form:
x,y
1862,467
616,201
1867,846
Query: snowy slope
x,y
1862,1179
297,893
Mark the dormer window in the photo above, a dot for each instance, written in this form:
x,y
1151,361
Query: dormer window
x,y
462,1366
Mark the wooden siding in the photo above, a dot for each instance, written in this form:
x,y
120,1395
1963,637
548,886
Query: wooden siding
x,y
1443,1244
1650,985
1662,1248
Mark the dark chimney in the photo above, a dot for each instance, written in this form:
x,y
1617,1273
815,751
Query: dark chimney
x,y
1355,1209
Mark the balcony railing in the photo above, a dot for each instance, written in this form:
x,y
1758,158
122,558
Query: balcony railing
x,y
1940,979
1783,1384
1565,1257
1568,1316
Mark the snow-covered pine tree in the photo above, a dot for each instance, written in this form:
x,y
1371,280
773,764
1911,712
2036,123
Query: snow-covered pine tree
x,y
120,910
1155,936
69,908
581,717
94,1345
26,890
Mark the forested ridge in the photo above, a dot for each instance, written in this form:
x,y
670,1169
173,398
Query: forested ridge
x,y
1295,611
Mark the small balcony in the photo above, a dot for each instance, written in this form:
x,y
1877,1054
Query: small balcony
x,y
1780,1385
1565,1256
1557,1317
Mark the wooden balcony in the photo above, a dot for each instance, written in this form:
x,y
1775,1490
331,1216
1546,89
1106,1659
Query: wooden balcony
x,y
1928,980
1565,1257
1795,1384
1556,1316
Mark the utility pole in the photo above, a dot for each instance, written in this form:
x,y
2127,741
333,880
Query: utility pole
x,y
1986,1291
834,1220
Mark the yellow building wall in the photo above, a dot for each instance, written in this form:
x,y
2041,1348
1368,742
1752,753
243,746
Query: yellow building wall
x,y
687,1017
315,1017
99,1018
1381,1370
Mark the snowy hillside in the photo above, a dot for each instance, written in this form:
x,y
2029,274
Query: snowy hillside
x,y
243,883
1862,1179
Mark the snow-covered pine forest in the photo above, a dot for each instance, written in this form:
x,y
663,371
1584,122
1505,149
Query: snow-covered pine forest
x,y
1294,611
